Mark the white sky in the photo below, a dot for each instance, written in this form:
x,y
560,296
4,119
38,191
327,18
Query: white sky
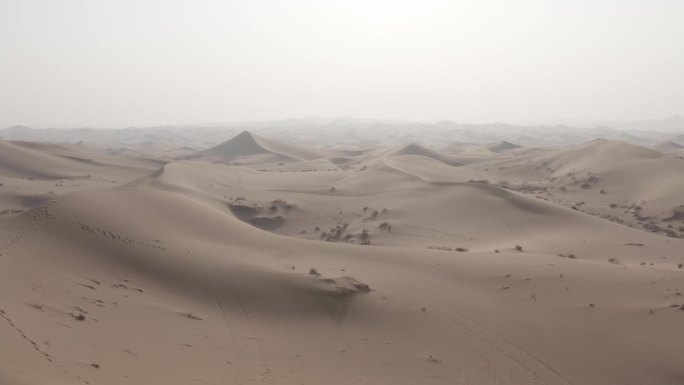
x,y
139,62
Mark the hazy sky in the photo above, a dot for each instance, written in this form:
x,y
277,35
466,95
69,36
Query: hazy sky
x,y
119,63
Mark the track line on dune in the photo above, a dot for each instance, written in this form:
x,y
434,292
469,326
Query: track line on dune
x,y
37,347
518,354
240,182
231,335
39,214
23,335
255,337
511,351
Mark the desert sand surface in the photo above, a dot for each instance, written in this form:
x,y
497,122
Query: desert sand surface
x,y
442,254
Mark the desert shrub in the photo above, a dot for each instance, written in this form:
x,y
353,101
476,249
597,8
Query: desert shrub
x,y
386,226
365,237
444,248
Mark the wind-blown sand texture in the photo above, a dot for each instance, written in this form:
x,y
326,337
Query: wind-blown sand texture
x,y
259,260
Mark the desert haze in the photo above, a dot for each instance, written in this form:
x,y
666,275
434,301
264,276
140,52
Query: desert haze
x,y
313,192
479,255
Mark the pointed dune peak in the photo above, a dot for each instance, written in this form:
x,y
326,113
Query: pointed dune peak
x,y
248,144
243,144
417,149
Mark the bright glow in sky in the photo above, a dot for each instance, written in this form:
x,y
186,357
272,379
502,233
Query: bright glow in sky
x,y
144,62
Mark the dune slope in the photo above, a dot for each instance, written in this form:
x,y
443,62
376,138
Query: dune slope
x,y
157,280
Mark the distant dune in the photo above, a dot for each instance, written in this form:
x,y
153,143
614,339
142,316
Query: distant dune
x,y
419,150
502,146
668,146
246,144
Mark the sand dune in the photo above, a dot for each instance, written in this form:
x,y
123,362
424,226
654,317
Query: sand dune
x,y
502,146
19,161
625,183
668,146
31,173
247,144
417,149
391,268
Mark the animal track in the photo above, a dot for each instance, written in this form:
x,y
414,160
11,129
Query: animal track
x,y
37,347
23,335
153,244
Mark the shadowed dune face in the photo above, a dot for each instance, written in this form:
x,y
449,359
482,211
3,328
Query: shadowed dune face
x,y
502,146
394,267
253,149
668,146
241,145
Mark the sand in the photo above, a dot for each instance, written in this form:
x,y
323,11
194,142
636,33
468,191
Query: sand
x,y
267,261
